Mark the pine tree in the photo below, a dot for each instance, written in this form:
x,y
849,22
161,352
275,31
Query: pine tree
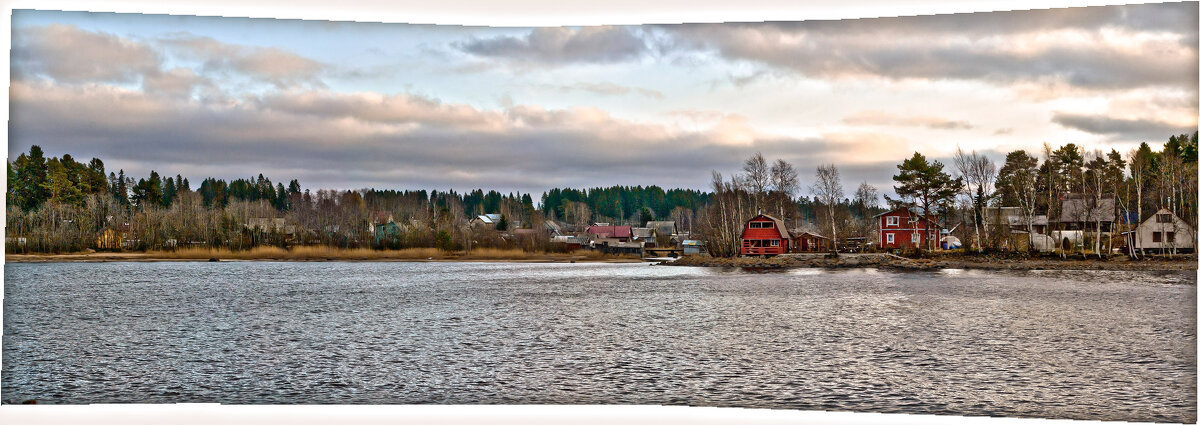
x,y
927,184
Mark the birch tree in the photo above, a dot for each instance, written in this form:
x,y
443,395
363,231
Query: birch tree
x,y
828,189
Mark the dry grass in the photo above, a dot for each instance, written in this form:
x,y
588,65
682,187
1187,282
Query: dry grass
x,y
320,253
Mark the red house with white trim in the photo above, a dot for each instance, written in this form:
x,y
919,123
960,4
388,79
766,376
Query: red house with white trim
x,y
764,235
903,228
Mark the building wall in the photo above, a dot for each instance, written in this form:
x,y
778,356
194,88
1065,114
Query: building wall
x,y
1184,238
903,230
765,235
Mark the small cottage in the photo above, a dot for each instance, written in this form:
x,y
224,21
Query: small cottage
x,y
1164,231
764,235
903,228
809,242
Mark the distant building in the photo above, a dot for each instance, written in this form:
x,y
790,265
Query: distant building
x,y
809,242
663,227
1164,231
693,247
1084,213
764,235
645,235
268,224
485,221
567,243
113,236
903,228
620,233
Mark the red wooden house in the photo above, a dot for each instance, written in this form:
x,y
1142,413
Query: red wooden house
x,y
809,242
764,235
903,228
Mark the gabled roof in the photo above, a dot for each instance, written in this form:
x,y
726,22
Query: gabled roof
x,y
661,225
801,234
489,218
1080,209
1175,220
783,232
643,232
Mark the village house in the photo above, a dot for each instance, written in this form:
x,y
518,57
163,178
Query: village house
x,y
645,235
663,227
764,235
809,242
113,236
567,243
903,228
1164,232
1084,213
485,221
1080,215
693,247
604,231
1010,227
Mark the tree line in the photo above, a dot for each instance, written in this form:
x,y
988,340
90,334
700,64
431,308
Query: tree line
x,y
61,204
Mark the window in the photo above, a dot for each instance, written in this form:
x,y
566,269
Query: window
x,y
762,225
1157,236
774,242
891,238
893,221
1164,218
916,237
1170,237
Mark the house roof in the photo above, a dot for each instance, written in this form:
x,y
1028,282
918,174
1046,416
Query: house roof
x,y
1174,218
910,210
1079,209
662,224
488,218
802,234
643,232
610,231
783,231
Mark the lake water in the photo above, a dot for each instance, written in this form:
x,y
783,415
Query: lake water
x,y
1086,345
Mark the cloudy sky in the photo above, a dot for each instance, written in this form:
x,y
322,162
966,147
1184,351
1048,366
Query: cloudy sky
x,y
351,105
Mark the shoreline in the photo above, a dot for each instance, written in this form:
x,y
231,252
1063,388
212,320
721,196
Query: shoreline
x,y
880,261
319,255
885,261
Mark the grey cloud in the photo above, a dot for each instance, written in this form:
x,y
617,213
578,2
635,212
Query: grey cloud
x,y
522,147
976,46
275,66
872,117
1121,128
559,45
70,55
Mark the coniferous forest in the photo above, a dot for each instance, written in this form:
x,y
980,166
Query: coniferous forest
x,y
61,204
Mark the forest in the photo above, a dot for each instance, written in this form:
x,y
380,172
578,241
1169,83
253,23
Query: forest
x,y
60,204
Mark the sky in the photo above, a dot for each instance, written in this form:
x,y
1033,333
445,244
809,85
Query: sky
x,y
395,106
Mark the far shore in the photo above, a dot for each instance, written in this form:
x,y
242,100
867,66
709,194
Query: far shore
x,y
881,261
952,261
324,254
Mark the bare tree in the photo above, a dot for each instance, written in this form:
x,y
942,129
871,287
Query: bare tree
x,y
866,198
979,176
828,190
757,177
785,180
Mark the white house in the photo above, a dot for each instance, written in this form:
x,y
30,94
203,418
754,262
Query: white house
x,y
1164,231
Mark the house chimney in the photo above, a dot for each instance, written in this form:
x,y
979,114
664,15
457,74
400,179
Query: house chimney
x,y
760,211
